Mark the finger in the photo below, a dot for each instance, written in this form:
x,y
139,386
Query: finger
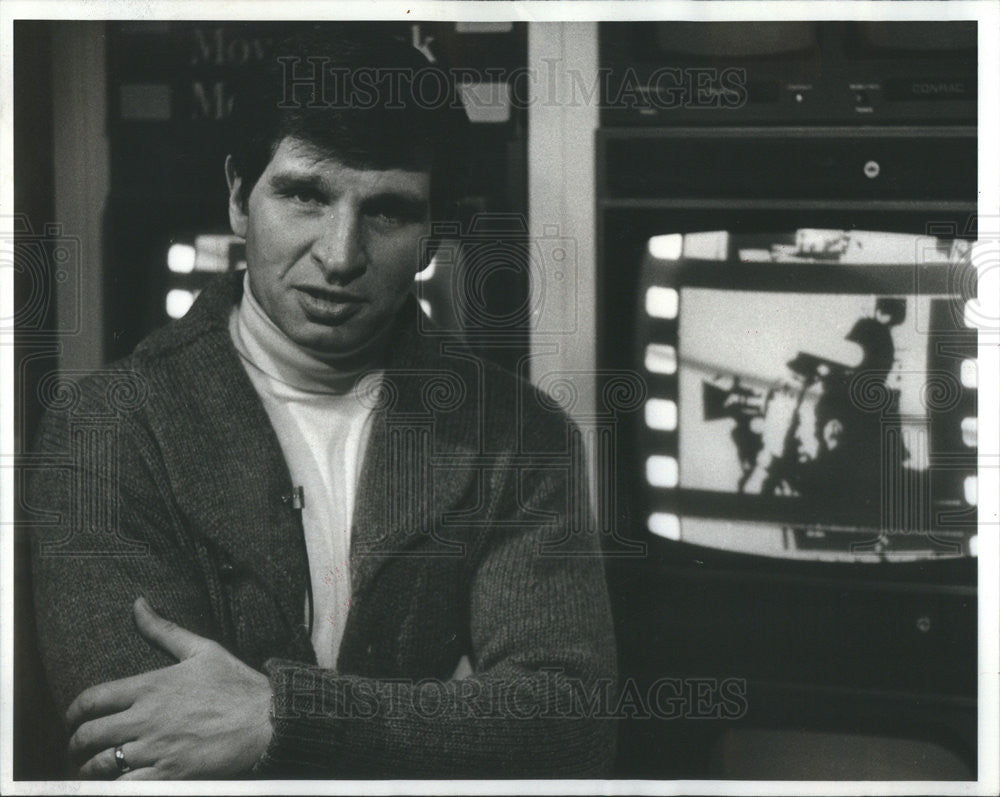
x,y
178,642
99,734
104,765
104,699
101,767
146,773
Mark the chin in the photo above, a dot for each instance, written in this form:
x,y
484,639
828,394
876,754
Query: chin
x,y
336,339
315,333
333,344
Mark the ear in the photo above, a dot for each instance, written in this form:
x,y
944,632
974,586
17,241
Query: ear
x,y
237,209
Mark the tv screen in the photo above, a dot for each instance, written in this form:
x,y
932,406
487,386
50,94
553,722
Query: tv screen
x,y
812,408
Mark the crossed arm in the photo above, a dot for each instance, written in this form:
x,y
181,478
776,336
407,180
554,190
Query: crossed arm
x,y
204,717
181,706
178,703
208,716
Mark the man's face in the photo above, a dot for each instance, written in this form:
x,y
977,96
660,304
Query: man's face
x,y
331,250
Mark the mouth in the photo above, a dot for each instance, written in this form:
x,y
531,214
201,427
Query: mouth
x,y
329,306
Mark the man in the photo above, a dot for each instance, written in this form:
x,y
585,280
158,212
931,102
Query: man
x,y
313,509
817,444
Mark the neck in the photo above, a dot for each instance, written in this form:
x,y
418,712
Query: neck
x,y
269,349
370,355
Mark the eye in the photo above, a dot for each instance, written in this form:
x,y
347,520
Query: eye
x,y
387,219
302,195
306,196
390,213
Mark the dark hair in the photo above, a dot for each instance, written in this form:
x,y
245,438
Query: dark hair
x,y
360,93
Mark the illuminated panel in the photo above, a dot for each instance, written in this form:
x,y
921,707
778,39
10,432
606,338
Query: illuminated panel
x,y
213,252
180,258
661,358
427,273
666,247
661,414
179,302
661,302
968,374
970,431
664,524
971,487
970,314
661,471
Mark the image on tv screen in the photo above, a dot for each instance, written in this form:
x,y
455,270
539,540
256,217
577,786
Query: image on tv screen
x,y
836,402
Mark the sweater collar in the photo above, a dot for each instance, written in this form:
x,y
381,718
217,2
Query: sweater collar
x,y
267,348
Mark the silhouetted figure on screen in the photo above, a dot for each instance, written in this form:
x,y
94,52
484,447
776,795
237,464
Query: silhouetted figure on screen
x,y
822,432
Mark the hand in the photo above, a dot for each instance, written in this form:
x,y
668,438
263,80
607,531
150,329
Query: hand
x,y
204,717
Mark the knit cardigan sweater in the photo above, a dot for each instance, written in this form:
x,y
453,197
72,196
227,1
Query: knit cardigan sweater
x,y
162,476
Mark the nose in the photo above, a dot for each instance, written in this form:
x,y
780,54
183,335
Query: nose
x,y
337,249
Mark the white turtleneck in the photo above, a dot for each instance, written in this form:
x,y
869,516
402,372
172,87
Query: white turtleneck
x,y
323,429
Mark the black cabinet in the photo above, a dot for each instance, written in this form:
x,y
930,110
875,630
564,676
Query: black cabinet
x,y
886,651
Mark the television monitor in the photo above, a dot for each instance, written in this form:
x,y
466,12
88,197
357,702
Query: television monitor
x,y
811,396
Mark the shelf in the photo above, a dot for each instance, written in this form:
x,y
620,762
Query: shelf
x,y
798,573
916,206
778,131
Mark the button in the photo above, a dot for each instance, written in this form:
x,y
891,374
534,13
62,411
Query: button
x,y
872,169
226,569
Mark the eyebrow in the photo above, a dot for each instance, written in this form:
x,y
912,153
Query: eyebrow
x,y
291,180
284,181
